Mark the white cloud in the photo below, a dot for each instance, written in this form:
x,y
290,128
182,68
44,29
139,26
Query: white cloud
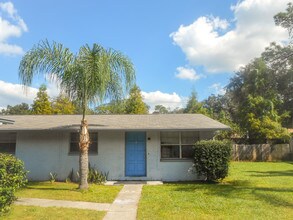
x,y
11,25
13,94
9,49
187,73
169,100
217,89
210,43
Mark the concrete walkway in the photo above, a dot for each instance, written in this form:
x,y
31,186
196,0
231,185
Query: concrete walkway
x,y
124,206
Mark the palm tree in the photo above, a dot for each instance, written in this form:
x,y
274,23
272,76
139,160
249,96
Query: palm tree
x,y
88,77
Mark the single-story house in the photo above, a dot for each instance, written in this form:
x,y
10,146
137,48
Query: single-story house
x,y
128,147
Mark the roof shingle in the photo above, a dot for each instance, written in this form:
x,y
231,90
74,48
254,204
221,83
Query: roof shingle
x,y
113,122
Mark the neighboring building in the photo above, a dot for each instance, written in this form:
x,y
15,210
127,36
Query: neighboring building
x,y
129,147
5,121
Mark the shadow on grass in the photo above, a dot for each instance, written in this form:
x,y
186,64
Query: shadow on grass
x,y
243,189
271,173
53,189
51,186
275,199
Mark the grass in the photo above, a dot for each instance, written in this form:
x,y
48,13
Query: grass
x,y
69,191
260,190
50,213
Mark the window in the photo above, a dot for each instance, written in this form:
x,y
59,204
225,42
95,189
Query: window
x,y
171,151
7,143
74,142
178,145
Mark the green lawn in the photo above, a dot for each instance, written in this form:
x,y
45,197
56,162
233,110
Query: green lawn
x,y
69,191
51,213
252,191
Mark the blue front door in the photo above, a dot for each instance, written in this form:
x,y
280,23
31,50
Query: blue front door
x,y
135,155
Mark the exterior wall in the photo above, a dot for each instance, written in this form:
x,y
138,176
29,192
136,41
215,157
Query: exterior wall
x,y
167,170
48,151
206,135
40,152
45,152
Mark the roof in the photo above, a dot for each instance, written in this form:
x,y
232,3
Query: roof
x,y
113,122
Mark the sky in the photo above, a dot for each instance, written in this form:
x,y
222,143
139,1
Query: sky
x,y
176,46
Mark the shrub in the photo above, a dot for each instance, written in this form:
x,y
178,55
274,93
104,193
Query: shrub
x,y
12,177
95,176
70,177
73,177
53,177
211,159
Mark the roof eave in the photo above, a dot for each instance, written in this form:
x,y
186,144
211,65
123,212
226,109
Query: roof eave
x,y
116,129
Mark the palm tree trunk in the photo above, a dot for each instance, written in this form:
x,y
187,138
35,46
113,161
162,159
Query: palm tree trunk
x,y
84,142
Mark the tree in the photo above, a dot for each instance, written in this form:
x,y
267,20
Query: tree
x,y
79,110
42,104
62,105
280,60
219,108
194,106
114,107
90,76
254,94
285,19
177,110
262,120
134,104
20,109
161,109
215,105
253,79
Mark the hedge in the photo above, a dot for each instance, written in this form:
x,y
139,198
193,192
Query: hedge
x,y
12,177
211,159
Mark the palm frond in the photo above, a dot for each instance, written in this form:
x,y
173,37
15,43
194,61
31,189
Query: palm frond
x,y
92,75
45,58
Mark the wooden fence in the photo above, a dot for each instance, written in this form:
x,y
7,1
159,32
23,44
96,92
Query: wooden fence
x,y
263,152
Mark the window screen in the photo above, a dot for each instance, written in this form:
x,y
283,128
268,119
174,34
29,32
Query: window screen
x,y
74,142
7,143
168,151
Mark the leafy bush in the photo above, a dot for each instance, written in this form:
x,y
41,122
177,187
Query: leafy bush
x,y
211,159
95,176
73,177
12,177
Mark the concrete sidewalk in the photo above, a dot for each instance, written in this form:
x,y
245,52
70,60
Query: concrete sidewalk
x,y
63,203
125,205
